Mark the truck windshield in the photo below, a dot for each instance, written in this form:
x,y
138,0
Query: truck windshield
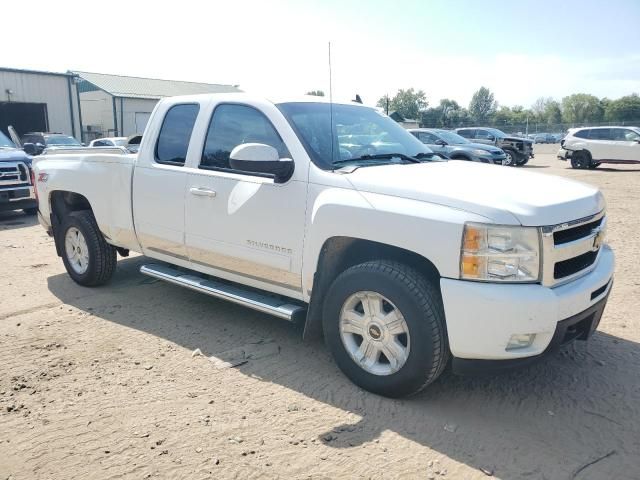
x,y
5,142
360,134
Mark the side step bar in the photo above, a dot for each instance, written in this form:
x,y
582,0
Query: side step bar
x,y
262,302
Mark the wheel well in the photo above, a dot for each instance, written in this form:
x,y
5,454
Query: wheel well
x,y
459,156
585,152
340,253
62,204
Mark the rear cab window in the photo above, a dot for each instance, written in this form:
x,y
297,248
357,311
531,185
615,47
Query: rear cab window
x,y
467,133
175,134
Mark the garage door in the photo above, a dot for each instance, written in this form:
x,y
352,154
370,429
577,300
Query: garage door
x,y
141,121
25,117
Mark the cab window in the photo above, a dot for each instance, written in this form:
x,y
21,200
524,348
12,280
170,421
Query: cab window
x,y
232,125
175,134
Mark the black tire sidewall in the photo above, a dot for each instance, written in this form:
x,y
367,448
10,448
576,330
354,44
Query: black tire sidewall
x,y
514,158
415,372
84,225
580,160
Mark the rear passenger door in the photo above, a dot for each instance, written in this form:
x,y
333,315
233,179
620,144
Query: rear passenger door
x,y
601,145
159,183
241,225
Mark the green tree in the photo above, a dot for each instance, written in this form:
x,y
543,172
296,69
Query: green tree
x,y
552,113
408,103
483,105
539,108
581,108
623,109
446,114
316,93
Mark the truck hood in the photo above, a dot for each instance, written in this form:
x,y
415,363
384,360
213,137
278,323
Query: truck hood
x,y
478,146
14,155
504,195
518,139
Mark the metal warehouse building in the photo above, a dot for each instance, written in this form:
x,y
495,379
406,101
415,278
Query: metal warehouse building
x,y
114,105
33,101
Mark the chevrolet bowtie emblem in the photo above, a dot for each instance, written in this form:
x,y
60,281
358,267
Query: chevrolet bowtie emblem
x,y
597,239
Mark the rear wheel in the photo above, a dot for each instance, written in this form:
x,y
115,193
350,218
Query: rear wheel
x,y
580,160
88,258
593,165
384,324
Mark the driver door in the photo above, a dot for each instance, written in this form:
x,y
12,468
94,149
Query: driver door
x,y
239,225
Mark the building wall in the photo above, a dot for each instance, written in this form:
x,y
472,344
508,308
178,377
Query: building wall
x,y
51,89
131,107
97,113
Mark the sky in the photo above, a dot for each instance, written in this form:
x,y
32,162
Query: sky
x,y
521,50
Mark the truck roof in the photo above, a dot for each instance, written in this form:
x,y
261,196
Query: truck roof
x,y
247,97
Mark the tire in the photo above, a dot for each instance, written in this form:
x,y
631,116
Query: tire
x,y
461,157
593,165
581,160
511,158
420,309
98,257
30,211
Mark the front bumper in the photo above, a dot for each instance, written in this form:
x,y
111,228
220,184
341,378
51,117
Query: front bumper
x,y
17,198
482,317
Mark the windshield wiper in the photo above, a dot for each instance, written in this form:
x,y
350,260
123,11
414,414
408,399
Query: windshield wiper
x,y
378,156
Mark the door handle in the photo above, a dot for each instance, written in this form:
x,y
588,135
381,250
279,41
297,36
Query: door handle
x,y
202,192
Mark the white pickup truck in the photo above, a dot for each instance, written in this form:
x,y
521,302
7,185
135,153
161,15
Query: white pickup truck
x,y
333,215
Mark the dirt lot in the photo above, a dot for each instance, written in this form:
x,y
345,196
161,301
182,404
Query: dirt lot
x,y
103,383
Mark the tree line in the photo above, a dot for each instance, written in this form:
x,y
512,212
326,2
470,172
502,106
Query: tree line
x,y
576,109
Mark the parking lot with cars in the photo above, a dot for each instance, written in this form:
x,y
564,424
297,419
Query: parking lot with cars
x,y
145,379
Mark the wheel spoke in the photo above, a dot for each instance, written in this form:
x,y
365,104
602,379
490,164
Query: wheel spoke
x,y
395,352
368,353
372,305
353,322
395,323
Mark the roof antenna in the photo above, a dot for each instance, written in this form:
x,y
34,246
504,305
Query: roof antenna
x,y
331,104
358,99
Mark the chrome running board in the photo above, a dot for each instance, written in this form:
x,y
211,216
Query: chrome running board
x,y
260,301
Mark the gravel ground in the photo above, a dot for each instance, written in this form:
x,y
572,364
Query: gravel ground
x,y
108,383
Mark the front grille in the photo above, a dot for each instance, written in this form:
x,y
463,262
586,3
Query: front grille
x,y
575,233
574,265
571,249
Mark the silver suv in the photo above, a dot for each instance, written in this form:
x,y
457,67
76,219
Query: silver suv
x,y
590,147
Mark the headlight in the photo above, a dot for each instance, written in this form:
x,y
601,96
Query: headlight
x,y
494,253
480,152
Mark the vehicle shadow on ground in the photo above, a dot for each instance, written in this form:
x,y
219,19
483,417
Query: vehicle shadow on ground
x,y
562,413
535,166
16,219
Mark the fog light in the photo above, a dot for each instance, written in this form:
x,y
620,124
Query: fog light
x,y
522,340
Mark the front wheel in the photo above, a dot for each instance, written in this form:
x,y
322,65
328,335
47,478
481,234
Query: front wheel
x,y
384,324
510,159
88,258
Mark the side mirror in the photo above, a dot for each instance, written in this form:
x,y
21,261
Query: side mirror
x,y
261,158
491,138
30,149
39,148
440,142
